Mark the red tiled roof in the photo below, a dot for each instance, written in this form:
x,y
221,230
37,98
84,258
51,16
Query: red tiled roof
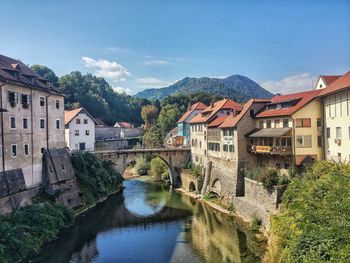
x,y
338,85
218,120
215,108
196,106
123,124
303,97
231,121
329,79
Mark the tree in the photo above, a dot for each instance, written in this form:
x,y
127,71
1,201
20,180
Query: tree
x,y
46,73
167,119
159,171
149,115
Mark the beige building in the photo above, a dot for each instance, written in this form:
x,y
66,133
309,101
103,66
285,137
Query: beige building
x,y
288,131
336,108
33,120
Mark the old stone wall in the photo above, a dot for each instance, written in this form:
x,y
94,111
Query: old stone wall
x,y
188,181
112,145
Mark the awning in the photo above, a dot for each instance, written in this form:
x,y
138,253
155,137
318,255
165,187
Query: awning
x,y
269,132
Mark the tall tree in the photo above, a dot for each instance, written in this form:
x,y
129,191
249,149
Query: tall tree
x,y
46,73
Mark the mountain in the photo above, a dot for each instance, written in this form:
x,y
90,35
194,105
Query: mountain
x,y
236,87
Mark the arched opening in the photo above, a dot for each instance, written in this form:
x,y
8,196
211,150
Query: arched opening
x,y
192,187
216,187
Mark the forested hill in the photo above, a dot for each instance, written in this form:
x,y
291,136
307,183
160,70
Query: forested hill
x,y
236,87
96,96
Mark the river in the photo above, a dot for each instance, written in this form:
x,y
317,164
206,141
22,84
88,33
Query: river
x,y
148,222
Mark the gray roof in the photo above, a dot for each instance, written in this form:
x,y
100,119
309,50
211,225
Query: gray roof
x,y
269,132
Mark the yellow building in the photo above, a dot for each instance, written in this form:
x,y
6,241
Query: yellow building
x,y
288,131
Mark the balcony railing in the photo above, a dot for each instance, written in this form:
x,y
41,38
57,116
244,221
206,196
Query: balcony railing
x,y
273,150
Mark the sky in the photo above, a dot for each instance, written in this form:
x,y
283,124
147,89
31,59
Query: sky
x,y
134,45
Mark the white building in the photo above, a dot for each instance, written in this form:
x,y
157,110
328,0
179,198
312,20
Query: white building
x,y
336,102
80,130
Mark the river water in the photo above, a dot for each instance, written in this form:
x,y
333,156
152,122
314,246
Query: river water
x,y
148,222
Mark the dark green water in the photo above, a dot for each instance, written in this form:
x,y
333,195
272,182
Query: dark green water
x,y
150,223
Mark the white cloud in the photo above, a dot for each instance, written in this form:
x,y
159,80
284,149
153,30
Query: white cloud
x,y
156,62
107,69
122,90
289,84
117,50
152,82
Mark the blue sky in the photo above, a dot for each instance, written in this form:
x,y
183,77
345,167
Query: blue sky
x,y
282,45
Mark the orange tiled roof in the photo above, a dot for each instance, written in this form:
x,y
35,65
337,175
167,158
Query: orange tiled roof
x,y
196,106
329,79
207,114
123,124
231,121
303,97
218,120
69,115
338,85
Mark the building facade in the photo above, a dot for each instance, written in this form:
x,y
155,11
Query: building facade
x,y
288,131
183,123
79,130
33,120
336,111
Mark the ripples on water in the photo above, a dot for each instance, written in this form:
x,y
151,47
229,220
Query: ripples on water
x,y
150,223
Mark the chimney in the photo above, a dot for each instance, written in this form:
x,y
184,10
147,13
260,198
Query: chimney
x,y
212,104
189,105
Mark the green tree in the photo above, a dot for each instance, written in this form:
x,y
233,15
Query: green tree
x,y
46,73
159,171
149,115
168,117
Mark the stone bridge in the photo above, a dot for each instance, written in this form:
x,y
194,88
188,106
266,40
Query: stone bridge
x,y
174,158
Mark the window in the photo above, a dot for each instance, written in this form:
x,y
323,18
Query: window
x,y
225,148
42,101
268,124
42,150
57,104
319,123
303,141
13,122
303,122
25,123
13,98
77,121
320,141
261,124
76,132
42,123
328,132
14,150
25,100
26,149
57,124
200,144
285,123
87,132
338,132
85,121
231,148
277,123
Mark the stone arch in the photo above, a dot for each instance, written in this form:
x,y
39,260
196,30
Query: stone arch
x,y
192,187
216,187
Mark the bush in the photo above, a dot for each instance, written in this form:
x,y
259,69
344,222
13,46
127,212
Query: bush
x,y
159,171
255,225
142,166
193,169
96,178
314,225
270,177
23,232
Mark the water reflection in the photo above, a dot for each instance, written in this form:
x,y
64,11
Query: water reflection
x,y
150,223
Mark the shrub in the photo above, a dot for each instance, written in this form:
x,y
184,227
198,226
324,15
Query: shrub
x,y
314,225
142,166
193,169
96,178
255,224
23,232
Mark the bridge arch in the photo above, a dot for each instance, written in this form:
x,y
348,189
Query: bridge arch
x,y
216,187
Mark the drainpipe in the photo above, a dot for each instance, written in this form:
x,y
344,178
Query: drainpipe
x,y
32,132
47,121
2,135
293,141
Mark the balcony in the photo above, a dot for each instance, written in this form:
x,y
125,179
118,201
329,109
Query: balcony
x,y
272,150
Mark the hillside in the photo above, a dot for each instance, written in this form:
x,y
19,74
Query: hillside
x,y
236,87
